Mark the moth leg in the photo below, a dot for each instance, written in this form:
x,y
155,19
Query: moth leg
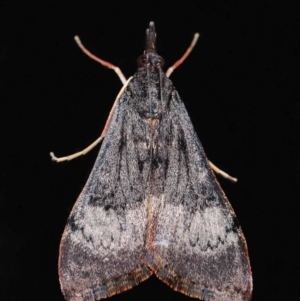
x,y
185,55
90,147
102,62
222,173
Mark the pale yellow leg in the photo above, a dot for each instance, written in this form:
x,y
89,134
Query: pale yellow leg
x,y
90,147
222,173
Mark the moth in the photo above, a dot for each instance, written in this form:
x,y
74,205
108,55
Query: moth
x,y
152,204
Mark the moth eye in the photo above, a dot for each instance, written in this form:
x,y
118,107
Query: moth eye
x,y
141,61
161,61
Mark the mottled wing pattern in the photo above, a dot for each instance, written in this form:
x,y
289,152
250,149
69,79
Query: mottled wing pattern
x,y
195,243
104,240
152,204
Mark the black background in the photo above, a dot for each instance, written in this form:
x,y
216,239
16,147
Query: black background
x,y
240,86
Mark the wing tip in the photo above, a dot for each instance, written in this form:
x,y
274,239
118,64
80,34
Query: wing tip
x,y
193,289
113,287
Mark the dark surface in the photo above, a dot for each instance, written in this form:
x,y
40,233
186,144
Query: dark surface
x,y
240,86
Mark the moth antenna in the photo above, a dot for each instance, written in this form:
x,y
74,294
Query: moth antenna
x,y
185,55
102,62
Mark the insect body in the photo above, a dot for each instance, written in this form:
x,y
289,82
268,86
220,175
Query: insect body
x,y
152,204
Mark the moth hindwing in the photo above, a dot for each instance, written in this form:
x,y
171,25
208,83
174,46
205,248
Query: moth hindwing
x,y
152,204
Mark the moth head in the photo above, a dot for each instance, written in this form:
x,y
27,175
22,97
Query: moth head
x,y
150,58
